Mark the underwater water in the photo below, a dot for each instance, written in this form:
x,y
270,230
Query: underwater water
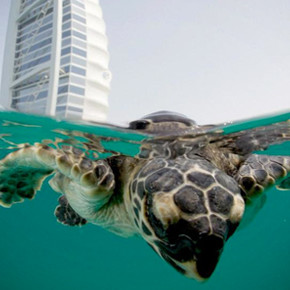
x,y
37,252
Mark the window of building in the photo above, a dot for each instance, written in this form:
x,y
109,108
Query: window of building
x,y
44,27
47,19
26,3
66,10
21,37
26,22
32,14
66,50
78,51
33,63
33,81
78,70
75,109
79,11
80,43
77,80
78,3
66,17
20,92
77,90
42,35
62,100
66,25
66,41
24,99
65,3
78,26
29,21
63,80
60,108
35,25
42,95
65,60
79,18
62,89
65,69
35,47
33,55
18,75
78,61
79,35
76,100
25,30
66,34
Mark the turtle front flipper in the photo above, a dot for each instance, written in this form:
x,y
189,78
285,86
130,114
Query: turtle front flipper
x,y
87,184
22,173
66,215
260,172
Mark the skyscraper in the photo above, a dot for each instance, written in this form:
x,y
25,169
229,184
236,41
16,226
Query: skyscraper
x,y
56,59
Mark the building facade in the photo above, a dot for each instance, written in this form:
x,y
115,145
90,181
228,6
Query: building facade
x,y
56,59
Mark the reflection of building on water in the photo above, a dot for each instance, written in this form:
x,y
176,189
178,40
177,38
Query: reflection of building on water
x,y
56,59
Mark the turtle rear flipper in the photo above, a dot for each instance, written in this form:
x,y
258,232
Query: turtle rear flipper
x,y
21,176
66,215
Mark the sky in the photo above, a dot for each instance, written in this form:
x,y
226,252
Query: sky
x,y
212,60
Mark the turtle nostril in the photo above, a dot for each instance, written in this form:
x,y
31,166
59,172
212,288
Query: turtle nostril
x,y
208,250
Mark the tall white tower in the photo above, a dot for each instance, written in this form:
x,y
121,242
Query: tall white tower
x,y
56,59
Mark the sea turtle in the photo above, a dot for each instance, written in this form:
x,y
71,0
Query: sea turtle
x,y
184,193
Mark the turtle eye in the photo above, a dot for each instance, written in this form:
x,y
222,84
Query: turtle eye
x,y
139,125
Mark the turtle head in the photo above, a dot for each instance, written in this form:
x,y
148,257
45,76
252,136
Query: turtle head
x,y
188,217
191,243
163,121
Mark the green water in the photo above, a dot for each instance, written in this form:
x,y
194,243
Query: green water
x,y
36,252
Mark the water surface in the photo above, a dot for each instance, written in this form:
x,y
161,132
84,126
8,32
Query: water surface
x,y
36,252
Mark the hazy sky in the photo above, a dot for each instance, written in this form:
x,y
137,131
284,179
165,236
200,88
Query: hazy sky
x,y
211,60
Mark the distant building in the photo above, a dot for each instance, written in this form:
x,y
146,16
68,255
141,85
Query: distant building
x,y
56,59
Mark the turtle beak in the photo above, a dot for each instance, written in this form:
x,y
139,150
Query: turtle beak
x,y
207,254
204,258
